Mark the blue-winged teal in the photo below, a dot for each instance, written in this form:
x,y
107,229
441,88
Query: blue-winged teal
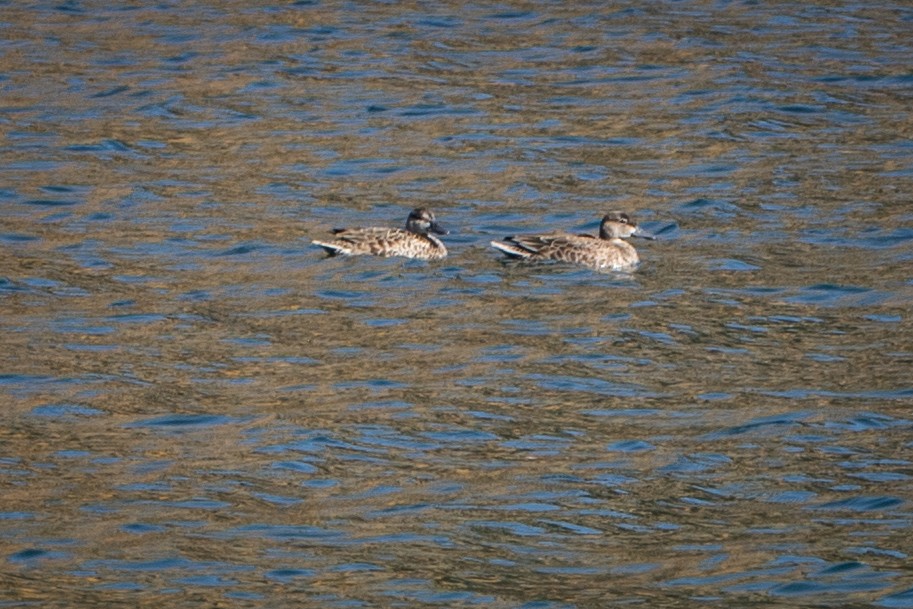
x,y
415,241
607,252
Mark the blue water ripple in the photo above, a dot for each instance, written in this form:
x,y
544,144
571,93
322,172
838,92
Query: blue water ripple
x,y
177,422
862,504
898,600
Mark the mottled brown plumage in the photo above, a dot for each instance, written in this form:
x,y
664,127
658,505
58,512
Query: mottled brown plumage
x,y
608,251
415,241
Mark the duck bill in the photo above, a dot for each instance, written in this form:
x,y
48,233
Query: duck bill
x,y
643,234
437,228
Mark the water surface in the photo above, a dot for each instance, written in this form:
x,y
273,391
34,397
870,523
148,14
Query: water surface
x,y
200,409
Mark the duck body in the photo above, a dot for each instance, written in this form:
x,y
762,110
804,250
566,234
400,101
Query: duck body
x,y
414,241
607,252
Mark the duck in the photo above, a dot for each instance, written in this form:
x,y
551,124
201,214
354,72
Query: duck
x,y
607,252
416,240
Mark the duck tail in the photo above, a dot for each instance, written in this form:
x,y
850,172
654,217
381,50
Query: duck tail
x,y
511,250
332,249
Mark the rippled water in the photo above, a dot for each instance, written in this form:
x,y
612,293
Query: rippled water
x,y
199,409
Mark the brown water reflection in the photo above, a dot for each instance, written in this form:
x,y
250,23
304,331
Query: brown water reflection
x,y
199,409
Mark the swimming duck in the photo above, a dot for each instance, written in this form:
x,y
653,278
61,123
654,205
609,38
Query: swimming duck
x,y
415,241
606,252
